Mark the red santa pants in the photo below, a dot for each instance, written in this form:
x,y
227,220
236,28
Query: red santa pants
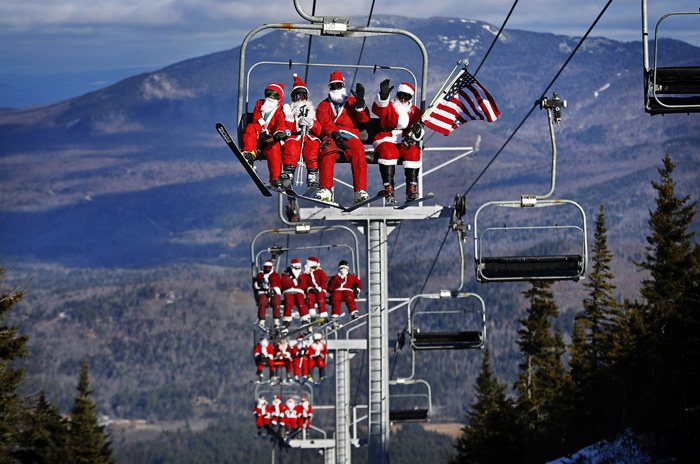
x,y
319,361
272,150
358,163
292,422
392,151
304,422
270,364
287,363
317,301
263,301
259,421
290,299
338,297
301,365
292,150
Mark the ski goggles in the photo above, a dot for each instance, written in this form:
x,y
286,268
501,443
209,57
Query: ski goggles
x,y
272,94
336,85
403,96
301,95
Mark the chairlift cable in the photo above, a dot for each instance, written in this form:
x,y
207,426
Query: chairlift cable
x,y
369,18
541,96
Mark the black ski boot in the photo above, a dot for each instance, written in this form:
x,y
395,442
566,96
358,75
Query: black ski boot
x,y
411,184
249,156
287,176
387,172
312,178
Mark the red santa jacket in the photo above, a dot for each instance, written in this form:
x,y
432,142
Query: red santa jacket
x,y
263,282
390,118
267,351
274,122
316,279
277,410
346,121
305,410
317,348
262,409
283,351
291,284
343,284
291,119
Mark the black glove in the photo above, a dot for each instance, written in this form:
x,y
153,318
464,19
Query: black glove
x,y
359,94
262,141
416,129
279,135
271,292
314,291
356,291
339,140
384,89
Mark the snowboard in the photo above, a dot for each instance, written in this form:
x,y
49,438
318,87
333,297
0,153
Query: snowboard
x,y
236,151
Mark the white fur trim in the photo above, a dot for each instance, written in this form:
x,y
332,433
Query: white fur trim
x,y
404,88
388,162
412,164
382,103
395,137
346,133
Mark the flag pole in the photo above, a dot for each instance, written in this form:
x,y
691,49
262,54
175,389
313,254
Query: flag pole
x,y
444,88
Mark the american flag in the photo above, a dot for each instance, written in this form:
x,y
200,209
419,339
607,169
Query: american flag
x,y
465,99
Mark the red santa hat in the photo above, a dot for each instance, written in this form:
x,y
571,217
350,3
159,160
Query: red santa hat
x,y
267,263
296,263
406,87
317,336
312,262
277,397
298,85
279,88
303,398
336,76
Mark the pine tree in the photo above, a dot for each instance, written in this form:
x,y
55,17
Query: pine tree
x,y
87,440
12,347
44,440
667,360
601,315
542,381
491,436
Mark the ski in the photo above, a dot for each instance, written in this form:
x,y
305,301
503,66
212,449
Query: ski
x,y
293,194
236,151
303,328
379,196
416,201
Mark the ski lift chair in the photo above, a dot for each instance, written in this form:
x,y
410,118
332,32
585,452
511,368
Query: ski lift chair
x,y
447,340
673,89
538,267
420,401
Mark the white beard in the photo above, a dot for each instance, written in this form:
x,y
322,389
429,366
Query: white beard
x,y
296,273
402,109
298,105
338,96
269,105
343,273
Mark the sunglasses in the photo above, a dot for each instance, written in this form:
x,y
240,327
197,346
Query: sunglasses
x,y
299,96
272,94
336,85
403,96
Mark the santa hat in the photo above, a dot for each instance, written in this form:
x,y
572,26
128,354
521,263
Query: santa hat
x,y
296,263
267,263
336,76
299,85
279,88
303,398
406,87
277,397
312,262
317,336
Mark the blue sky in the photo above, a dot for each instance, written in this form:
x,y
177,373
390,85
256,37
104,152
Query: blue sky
x,y
42,38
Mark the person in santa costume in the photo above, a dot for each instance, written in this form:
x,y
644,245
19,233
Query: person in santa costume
x,y
262,414
300,357
294,290
300,117
284,356
278,416
317,357
266,131
340,116
292,415
268,290
316,282
398,138
264,355
344,287
304,415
